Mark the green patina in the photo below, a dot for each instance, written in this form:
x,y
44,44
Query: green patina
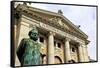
x,y
28,51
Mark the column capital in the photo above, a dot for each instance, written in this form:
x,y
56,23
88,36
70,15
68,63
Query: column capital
x,y
51,33
67,39
82,44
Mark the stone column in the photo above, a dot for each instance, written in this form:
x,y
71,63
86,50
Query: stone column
x,y
85,52
17,62
81,54
51,48
67,50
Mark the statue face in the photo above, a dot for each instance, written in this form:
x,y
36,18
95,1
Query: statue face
x,y
34,36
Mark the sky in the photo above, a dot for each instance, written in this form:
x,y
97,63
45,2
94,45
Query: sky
x,y
79,15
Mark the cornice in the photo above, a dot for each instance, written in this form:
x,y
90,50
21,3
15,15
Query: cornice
x,y
51,23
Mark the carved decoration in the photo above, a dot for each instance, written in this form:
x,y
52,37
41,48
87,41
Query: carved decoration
x,y
53,23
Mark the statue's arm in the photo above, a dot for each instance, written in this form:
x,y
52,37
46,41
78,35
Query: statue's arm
x,y
21,49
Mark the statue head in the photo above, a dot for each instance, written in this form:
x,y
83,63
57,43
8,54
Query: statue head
x,y
33,34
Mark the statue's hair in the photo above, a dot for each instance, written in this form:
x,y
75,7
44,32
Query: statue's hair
x,y
34,29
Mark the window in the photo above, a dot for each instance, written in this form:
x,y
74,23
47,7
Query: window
x,y
41,39
73,49
55,43
59,45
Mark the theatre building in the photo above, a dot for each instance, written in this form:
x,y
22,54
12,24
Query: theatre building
x,y
61,40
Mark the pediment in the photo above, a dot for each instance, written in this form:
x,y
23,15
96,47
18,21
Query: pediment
x,y
56,18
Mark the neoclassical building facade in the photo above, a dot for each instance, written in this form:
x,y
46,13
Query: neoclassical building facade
x,y
61,40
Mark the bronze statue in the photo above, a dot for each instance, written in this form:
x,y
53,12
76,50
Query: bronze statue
x,y
28,50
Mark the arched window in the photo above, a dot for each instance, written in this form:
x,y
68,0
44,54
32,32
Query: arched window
x,y
43,59
58,60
